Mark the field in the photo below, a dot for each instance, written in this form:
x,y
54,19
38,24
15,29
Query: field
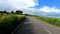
x,y
54,21
9,21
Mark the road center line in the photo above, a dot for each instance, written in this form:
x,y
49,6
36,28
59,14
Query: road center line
x,y
48,31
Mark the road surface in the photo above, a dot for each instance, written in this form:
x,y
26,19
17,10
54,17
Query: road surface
x,y
35,26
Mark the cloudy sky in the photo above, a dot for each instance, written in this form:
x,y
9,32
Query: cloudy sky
x,y
31,6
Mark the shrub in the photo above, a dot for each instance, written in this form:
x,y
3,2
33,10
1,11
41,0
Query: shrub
x,y
9,21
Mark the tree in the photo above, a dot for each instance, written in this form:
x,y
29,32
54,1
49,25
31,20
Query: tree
x,y
18,12
1,11
12,11
4,11
26,14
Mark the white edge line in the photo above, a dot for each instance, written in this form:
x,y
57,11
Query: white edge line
x,y
48,31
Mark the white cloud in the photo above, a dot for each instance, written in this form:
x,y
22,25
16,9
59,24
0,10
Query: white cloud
x,y
29,10
49,9
24,5
18,4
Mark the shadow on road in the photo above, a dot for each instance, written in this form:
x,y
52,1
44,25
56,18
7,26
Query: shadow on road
x,y
27,20
27,28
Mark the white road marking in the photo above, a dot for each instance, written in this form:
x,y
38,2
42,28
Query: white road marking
x,y
48,31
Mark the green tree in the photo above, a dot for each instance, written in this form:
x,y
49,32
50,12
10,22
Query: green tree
x,y
18,12
5,11
1,11
12,11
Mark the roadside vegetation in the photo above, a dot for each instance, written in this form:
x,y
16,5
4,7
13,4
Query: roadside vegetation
x,y
54,21
10,20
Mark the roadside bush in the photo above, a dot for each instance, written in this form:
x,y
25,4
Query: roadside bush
x,y
9,21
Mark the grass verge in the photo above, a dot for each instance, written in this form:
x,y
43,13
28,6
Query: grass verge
x,y
54,21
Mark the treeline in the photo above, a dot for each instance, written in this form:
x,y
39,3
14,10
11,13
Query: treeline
x,y
16,12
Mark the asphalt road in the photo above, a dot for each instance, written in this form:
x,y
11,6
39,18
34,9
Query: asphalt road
x,y
35,26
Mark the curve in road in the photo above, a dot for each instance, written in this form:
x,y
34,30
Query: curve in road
x,y
35,26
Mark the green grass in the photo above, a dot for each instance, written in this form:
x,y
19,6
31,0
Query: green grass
x,y
54,21
9,21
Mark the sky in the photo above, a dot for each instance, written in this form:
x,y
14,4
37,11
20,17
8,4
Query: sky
x,y
31,6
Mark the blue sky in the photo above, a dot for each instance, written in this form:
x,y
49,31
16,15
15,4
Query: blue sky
x,y
49,3
35,6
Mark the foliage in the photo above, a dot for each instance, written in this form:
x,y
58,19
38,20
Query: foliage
x,y
16,12
5,11
19,12
12,11
9,21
